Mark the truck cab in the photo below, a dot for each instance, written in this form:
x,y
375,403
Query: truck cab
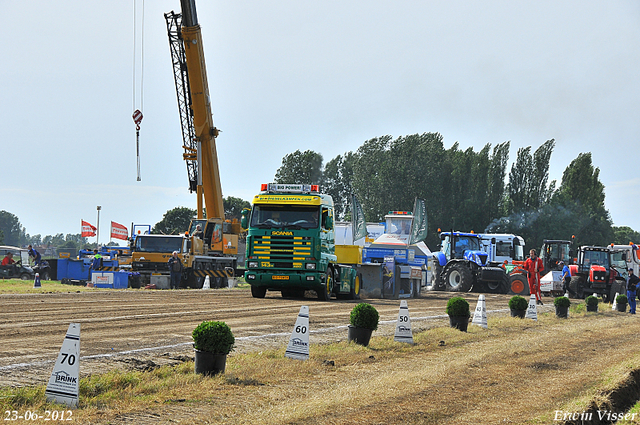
x,y
291,243
501,247
150,254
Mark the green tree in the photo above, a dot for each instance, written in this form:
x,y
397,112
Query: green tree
x,y
582,191
56,240
581,183
369,180
496,197
1,237
623,235
233,207
337,182
528,187
541,189
14,233
174,221
300,167
34,240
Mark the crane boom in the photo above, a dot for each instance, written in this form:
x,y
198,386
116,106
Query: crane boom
x,y
210,244
204,132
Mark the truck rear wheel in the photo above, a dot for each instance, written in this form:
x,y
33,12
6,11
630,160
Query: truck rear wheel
x,y
577,287
324,293
458,278
354,293
258,291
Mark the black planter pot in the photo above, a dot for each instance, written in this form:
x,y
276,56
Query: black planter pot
x,y
359,335
592,307
621,307
209,363
518,313
459,322
562,312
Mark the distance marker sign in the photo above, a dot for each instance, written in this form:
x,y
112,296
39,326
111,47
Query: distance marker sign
x,y
298,347
403,325
64,382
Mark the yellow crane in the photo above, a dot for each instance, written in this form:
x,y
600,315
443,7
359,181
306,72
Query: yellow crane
x,y
213,251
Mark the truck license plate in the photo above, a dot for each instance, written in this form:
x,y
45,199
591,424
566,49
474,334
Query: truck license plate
x,y
280,277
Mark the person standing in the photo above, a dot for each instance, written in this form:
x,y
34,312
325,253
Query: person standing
x,y
566,277
35,254
534,266
632,286
175,268
97,260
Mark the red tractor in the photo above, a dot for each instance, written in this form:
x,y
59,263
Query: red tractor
x,y
599,270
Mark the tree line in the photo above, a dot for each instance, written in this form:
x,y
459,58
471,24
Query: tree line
x,y
465,190
173,222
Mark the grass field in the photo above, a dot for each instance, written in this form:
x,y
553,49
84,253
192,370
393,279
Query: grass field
x,y
517,371
17,286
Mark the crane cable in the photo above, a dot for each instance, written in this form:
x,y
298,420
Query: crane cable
x,y
137,113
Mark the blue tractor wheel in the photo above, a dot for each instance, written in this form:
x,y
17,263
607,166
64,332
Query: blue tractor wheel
x,y
458,278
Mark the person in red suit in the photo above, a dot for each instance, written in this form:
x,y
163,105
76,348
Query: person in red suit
x,y
534,266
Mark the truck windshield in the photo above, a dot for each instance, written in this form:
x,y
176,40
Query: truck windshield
x,y
518,253
291,216
399,225
158,243
619,263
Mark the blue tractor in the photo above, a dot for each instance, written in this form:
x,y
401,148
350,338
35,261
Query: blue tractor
x,y
462,265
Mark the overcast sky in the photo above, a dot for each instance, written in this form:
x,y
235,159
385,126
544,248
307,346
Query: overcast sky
x,y
287,75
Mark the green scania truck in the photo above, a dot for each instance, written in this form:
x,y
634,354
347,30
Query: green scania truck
x,y
291,245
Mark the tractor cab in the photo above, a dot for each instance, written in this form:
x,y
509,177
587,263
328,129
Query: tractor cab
x,y
598,270
458,245
554,251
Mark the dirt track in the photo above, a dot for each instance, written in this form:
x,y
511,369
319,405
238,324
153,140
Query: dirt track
x,y
158,324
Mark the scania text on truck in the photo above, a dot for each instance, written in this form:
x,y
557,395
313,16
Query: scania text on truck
x,y
291,244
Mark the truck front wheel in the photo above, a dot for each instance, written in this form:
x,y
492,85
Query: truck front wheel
x,y
258,291
458,278
324,293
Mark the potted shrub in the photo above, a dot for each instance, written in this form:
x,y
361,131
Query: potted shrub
x,y
458,311
621,302
363,321
518,306
562,306
592,303
212,342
